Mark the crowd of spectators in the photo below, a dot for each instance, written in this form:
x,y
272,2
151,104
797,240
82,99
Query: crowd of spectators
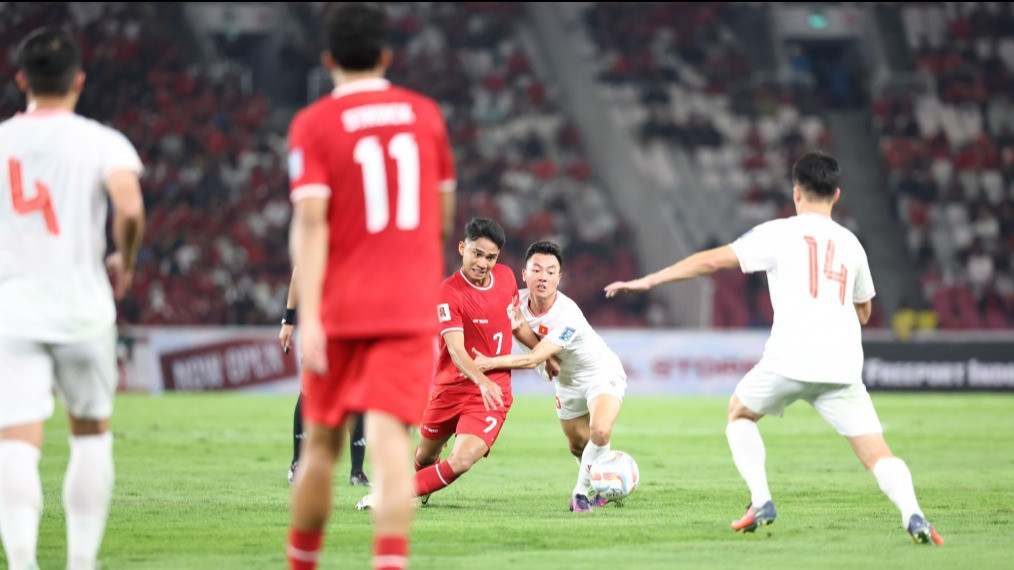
x,y
214,190
948,154
215,183
520,159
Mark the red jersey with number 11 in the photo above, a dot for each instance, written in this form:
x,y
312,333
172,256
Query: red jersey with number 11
x,y
380,155
484,315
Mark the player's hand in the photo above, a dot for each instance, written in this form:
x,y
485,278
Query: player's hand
x,y
635,286
516,317
119,276
481,360
492,395
314,346
552,367
285,337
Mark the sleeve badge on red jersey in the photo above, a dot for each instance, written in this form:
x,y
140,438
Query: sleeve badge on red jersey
x,y
295,164
443,312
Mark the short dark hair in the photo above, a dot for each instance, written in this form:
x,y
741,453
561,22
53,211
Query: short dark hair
x,y
817,173
485,228
546,248
50,59
356,35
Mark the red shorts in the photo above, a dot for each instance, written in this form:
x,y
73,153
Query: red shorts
x,y
390,375
459,409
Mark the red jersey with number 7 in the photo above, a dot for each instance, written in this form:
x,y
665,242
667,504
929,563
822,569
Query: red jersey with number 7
x,y
484,314
380,155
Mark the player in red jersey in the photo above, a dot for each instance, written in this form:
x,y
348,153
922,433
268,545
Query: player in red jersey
x,y
371,174
477,310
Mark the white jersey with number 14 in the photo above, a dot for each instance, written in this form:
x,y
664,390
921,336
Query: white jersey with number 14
x,y
816,271
53,208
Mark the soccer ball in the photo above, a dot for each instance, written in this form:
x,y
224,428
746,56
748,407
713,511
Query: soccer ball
x,y
614,475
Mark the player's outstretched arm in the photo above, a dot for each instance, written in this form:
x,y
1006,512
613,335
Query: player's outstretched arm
x,y
523,331
492,395
541,353
526,336
700,263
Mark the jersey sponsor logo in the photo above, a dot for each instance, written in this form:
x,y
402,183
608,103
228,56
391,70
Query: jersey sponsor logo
x,y
567,334
480,321
543,330
443,312
430,429
295,164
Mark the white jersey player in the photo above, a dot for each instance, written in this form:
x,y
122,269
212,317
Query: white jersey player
x,y
57,317
821,292
591,381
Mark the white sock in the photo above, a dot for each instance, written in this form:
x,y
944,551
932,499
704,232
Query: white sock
x,y
87,491
591,452
896,482
748,454
20,501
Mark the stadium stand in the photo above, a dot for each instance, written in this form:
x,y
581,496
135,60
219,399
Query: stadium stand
x,y
215,251
679,76
520,159
948,157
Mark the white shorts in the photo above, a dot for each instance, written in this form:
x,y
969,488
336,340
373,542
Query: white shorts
x,y
572,400
84,374
847,407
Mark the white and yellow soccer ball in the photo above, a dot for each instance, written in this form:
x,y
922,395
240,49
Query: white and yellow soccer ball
x,y
614,475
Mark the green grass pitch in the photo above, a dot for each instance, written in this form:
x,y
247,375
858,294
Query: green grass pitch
x,y
201,484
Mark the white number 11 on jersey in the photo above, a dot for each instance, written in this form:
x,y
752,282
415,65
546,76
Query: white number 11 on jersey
x,y
369,155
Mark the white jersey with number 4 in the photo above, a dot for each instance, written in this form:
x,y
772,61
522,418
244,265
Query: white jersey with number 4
x,y
53,168
816,270
585,356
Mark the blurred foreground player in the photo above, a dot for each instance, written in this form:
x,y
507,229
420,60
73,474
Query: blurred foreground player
x,y
372,178
57,308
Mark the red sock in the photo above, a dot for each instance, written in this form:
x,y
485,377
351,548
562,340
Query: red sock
x,y
303,549
434,478
390,552
419,466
